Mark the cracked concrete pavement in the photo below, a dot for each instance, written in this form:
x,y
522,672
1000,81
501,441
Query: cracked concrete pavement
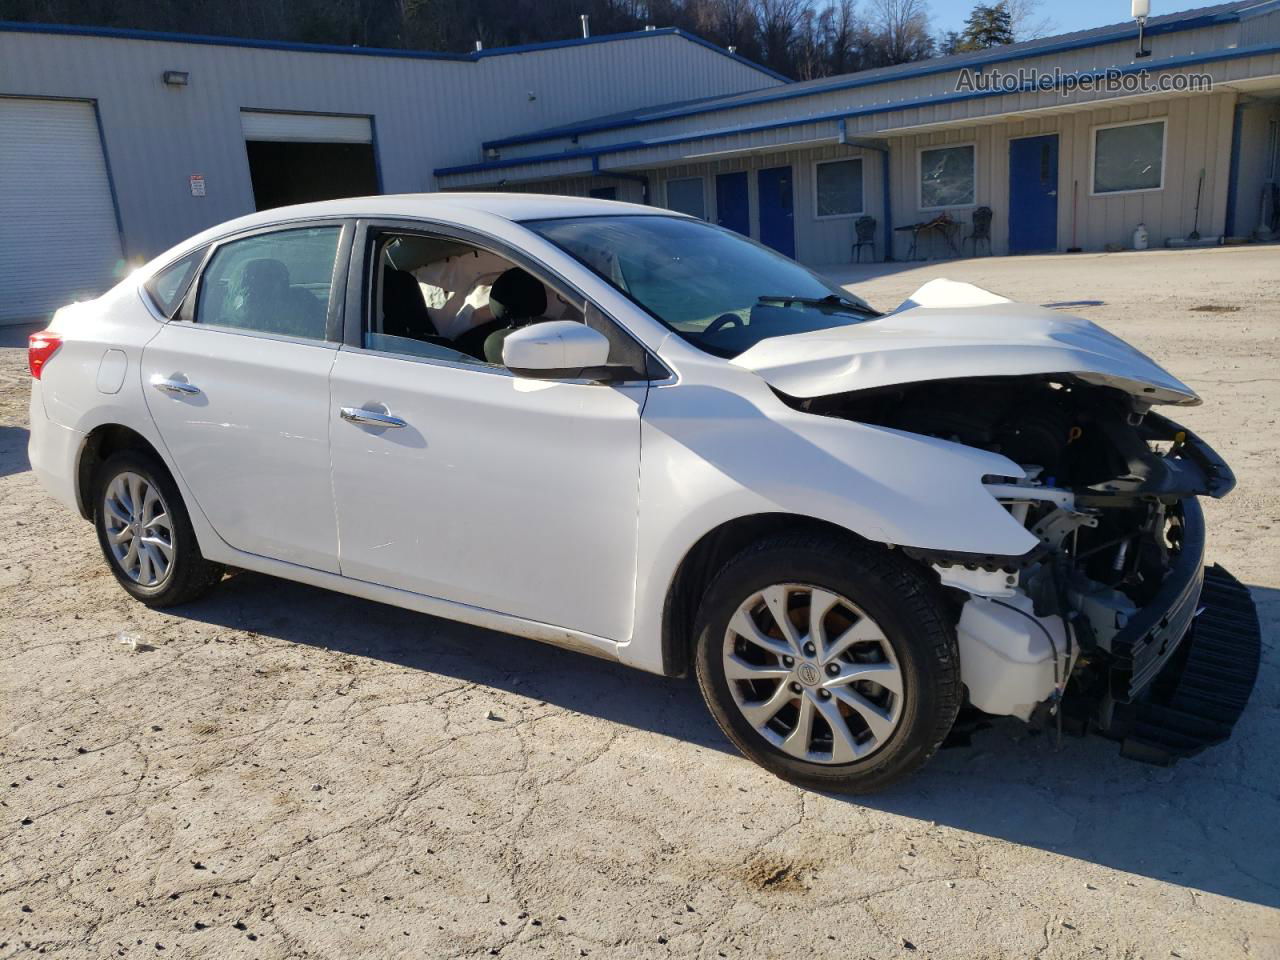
x,y
283,772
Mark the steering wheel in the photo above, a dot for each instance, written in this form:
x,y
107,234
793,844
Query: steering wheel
x,y
722,321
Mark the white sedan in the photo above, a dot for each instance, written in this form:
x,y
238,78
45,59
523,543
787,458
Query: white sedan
x,y
638,435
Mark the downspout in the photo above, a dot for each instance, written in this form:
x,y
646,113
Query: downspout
x,y
639,178
886,193
1233,174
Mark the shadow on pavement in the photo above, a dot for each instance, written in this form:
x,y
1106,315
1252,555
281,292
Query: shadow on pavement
x,y
13,450
1209,824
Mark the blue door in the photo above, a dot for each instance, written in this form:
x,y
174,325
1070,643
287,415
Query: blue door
x,y
777,210
604,193
1033,194
732,209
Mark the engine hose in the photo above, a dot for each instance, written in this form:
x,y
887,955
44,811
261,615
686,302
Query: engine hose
x,y
1057,684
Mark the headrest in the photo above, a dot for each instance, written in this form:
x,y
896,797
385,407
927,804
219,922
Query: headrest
x,y
265,274
517,295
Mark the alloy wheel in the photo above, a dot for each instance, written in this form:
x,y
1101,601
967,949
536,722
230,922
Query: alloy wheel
x,y
813,674
139,531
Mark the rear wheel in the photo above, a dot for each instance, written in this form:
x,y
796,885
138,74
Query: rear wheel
x,y
831,664
145,532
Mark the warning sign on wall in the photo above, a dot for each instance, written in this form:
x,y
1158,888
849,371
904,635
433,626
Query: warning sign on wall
x,y
197,184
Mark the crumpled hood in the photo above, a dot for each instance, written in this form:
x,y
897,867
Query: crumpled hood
x,y
950,330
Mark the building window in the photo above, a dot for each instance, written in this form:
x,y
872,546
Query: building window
x,y
838,188
1128,157
948,176
686,196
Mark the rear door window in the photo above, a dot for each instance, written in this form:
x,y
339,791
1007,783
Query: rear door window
x,y
276,282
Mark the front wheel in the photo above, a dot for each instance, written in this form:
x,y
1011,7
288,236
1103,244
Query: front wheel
x,y
833,665
145,533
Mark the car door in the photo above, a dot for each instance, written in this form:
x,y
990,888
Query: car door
x,y
461,481
238,387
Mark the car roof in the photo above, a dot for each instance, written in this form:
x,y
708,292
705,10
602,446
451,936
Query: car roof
x,y
452,206
458,208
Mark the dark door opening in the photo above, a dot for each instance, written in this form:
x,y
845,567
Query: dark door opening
x,y
777,210
288,172
1033,194
732,208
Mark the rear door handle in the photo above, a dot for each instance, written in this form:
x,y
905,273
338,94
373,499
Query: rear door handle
x,y
175,387
370,418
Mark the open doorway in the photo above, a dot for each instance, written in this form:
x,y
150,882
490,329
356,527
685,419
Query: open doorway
x,y
301,157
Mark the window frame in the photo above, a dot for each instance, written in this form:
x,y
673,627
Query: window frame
x,y
334,320
1093,156
702,184
361,290
862,188
921,151
201,255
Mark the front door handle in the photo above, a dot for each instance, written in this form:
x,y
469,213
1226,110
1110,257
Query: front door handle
x,y
370,418
176,387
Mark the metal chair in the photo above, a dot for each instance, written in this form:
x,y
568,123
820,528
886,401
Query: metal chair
x,y
864,229
981,229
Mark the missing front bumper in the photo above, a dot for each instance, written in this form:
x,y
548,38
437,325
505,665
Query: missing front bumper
x,y
1199,693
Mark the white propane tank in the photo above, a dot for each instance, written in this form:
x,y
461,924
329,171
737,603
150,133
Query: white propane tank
x,y
1141,237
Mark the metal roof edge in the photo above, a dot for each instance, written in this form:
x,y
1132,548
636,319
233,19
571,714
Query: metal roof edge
x,y
1232,53
127,33
930,67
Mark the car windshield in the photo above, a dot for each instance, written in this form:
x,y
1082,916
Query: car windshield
x,y
715,288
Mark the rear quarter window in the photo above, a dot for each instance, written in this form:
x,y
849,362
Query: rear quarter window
x,y
169,286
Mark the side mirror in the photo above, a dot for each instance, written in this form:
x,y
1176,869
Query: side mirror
x,y
555,350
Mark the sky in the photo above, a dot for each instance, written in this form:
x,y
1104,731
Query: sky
x,y
1066,17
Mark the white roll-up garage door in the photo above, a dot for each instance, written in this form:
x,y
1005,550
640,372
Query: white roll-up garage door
x,y
59,240
305,127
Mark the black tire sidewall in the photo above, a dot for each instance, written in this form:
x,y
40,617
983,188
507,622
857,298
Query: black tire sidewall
x,y
873,579
187,558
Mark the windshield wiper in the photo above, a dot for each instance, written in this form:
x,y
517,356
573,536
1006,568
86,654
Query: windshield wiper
x,y
831,300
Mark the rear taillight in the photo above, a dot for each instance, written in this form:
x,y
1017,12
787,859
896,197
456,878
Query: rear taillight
x,y
40,347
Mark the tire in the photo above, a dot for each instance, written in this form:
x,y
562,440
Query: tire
x,y
891,618
164,519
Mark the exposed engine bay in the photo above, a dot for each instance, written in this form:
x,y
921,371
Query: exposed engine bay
x,y
1086,621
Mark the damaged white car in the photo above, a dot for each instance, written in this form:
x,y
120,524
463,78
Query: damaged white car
x,y
638,435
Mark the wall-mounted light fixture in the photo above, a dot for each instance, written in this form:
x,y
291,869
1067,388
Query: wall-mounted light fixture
x,y
180,78
1141,9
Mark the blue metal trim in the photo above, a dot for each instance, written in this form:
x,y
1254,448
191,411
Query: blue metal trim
x,y
1237,53
111,180
888,206
377,154
122,33
926,68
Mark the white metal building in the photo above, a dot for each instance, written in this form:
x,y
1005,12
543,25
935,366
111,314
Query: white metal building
x,y
116,144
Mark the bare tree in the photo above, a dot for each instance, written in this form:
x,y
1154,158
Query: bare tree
x,y
779,25
902,30
1028,19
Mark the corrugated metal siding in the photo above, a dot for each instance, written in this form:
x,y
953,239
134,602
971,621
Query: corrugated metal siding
x,y
1261,29
426,113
